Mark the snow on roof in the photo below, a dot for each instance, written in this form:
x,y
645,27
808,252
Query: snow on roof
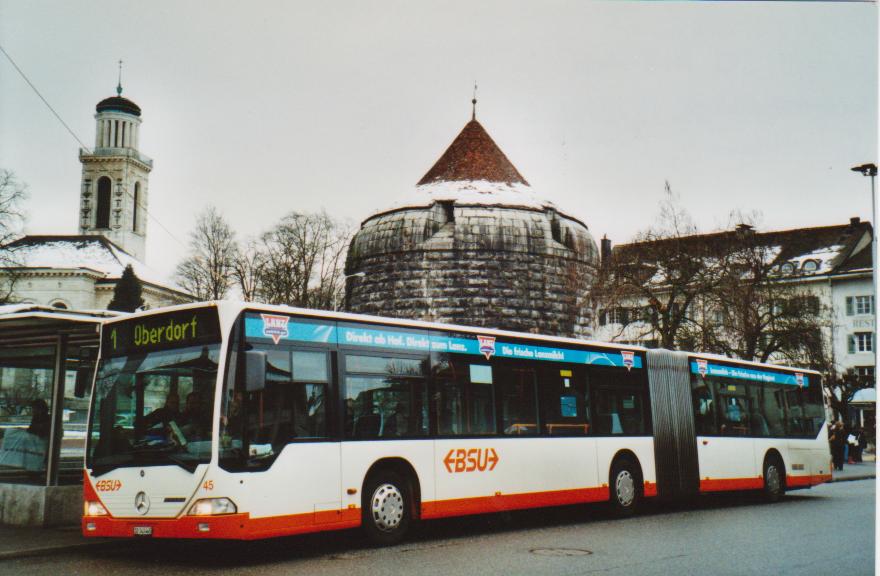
x,y
479,192
94,253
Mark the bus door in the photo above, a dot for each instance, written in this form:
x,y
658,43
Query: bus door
x,y
724,450
288,436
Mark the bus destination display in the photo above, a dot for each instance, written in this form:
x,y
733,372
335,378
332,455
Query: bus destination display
x,y
173,330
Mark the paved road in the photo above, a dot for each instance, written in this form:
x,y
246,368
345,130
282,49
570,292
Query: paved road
x,y
828,530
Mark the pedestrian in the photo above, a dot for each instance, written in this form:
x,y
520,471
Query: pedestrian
x,y
858,445
837,439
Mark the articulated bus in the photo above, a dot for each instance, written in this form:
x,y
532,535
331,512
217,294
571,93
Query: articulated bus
x,y
244,421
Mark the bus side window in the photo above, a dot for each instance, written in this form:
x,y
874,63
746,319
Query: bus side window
x,y
463,397
619,402
564,407
518,407
704,406
385,397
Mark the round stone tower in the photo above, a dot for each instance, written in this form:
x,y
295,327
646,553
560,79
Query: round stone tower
x,y
475,245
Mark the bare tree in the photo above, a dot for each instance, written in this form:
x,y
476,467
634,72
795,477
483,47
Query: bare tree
x,y
653,287
301,261
13,192
246,270
762,316
207,272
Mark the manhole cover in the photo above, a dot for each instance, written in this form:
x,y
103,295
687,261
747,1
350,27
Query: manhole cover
x,y
560,552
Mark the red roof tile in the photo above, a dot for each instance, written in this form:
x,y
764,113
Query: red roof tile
x,y
473,155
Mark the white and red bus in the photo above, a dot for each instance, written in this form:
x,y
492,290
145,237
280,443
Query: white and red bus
x,y
244,421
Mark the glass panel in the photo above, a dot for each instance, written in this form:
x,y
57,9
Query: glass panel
x,y
138,418
464,402
26,376
519,412
383,365
732,408
704,406
564,408
385,407
311,366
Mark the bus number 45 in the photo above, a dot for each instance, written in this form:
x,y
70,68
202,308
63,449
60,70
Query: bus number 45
x,y
461,460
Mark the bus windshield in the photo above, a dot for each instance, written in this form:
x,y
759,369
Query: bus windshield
x,y
153,401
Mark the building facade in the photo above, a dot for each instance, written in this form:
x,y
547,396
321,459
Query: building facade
x,y
474,245
830,264
80,271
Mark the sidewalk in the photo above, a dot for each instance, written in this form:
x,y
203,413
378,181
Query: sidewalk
x,y
860,471
19,541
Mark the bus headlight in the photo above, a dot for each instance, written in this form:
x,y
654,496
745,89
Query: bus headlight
x,y
93,508
213,507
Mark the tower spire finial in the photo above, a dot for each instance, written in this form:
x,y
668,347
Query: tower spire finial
x,y
474,103
119,85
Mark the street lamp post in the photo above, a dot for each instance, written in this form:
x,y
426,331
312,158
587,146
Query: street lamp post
x,y
871,170
344,278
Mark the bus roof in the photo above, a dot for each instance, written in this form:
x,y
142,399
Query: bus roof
x,y
235,307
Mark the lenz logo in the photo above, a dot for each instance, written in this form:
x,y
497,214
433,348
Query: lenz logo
x,y
108,485
470,460
275,326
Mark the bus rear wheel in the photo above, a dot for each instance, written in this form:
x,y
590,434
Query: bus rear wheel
x,y
386,508
774,479
625,485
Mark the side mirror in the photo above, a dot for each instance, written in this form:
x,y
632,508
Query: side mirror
x,y
85,370
255,370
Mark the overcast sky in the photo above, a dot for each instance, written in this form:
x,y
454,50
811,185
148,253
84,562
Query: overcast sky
x,y
261,108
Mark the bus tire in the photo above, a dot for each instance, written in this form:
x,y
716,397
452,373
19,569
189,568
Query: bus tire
x,y
625,487
774,478
386,508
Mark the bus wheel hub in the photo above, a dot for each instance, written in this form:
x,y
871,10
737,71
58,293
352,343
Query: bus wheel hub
x,y
387,507
625,488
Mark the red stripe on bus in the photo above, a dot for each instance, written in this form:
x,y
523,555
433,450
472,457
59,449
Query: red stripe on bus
x,y
503,502
724,484
799,481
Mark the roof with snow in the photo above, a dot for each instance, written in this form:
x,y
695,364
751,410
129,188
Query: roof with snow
x,y
802,252
94,254
473,171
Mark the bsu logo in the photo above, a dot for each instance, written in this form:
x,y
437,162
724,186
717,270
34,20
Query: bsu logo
x,y
275,326
461,460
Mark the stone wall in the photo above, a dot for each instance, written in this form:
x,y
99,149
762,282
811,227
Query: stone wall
x,y
498,267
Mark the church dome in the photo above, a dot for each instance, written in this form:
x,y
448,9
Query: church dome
x,y
118,104
474,244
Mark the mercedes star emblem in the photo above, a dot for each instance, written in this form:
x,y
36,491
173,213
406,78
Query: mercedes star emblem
x,y
142,503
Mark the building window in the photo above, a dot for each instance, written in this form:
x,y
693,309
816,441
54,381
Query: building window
x,y
102,216
60,305
134,206
859,305
865,371
861,342
811,266
787,268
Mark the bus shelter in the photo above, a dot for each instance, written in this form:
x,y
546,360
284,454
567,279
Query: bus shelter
x,y
42,420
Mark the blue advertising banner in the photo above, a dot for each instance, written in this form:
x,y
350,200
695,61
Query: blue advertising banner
x,y
706,368
279,327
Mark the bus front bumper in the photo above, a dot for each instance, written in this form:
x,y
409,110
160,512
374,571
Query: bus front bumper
x,y
227,526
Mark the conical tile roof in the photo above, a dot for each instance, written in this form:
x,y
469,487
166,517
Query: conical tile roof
x,y
473,156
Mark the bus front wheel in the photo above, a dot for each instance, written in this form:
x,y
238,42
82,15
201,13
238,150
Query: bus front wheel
x,y
387,508
625,485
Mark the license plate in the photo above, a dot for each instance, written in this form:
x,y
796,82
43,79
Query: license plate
x,y
143,530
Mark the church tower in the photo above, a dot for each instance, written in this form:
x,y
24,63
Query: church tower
x,y
114,193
